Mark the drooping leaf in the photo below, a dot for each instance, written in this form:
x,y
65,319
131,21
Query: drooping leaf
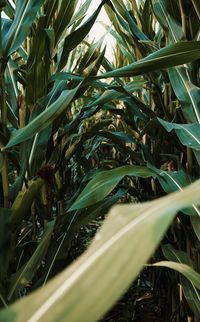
x,y
172,55
173,181
169,24
189,288
188,134
103,183
186,92
43,119
184,269
124,228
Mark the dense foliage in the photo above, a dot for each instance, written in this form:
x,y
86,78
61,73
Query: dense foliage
x,y
79,134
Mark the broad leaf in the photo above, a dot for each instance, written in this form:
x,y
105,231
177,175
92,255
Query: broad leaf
x,y
25,14
103,183
184,269
172,55
189,288
188,134
186,92
172,181
44,119
72,295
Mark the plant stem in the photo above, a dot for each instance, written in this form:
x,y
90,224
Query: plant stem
x,y
196,6
183,17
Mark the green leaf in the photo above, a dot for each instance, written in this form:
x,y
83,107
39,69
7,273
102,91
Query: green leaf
x,y
172,55
25,14
63,18
167,21
75,38
186,270
9,10
186,92
191,293
72,295
28,271
103,183
195,221
172,181
24,200
188,134
5,236
44,119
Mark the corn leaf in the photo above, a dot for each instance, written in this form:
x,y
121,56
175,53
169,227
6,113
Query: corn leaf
x,y
172,181
186,92
188,134
44,119
172,55
63,18
73,39
103,183
184,269
189,288
72,295
28,271
25,14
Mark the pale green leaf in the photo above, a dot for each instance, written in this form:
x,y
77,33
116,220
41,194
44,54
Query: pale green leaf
x,y
184,269
71,295
189,288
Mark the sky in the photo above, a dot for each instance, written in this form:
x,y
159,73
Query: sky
x,y
98,30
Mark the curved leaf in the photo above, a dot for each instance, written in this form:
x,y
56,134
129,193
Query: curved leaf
x,y
189,288
186,270
172,55
25,14
72,295
188,134
186,92
103,183
44,119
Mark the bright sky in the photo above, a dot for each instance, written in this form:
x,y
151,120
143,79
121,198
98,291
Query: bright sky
x,y
98,30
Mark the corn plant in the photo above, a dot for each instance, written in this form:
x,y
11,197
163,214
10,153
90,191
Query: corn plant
x,y
73,145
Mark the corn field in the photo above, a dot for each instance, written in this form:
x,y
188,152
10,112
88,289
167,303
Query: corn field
x,y
99,162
